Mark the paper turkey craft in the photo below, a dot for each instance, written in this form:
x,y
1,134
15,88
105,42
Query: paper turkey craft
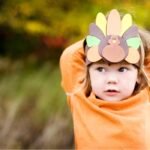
x,y
113,39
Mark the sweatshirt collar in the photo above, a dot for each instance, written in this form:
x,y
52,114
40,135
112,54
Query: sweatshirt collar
x,y
140,98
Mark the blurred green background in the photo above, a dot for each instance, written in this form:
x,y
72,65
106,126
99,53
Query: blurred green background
x,y
33,34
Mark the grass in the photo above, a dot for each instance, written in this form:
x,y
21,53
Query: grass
x,y
31,95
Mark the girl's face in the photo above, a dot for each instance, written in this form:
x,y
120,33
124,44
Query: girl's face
x,y
113,82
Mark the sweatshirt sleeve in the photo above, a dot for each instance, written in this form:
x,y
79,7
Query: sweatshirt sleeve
x,y
145,36
72,66
147,69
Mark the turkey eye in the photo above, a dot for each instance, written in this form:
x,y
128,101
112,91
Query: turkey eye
x,y
101,69
123,69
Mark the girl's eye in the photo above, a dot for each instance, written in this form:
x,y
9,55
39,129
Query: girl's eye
x,y
123,69
100,69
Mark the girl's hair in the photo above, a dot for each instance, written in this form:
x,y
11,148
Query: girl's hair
x,y
145,37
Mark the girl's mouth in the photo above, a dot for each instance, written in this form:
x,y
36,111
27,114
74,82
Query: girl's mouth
x,y
111,92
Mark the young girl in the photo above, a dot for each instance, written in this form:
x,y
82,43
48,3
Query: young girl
x,y
106,85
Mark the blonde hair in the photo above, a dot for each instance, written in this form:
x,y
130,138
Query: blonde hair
x,y
145,55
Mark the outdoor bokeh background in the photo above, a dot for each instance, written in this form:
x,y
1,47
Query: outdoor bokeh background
x,y
33,34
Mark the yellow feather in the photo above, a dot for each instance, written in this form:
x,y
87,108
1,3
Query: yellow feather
x,y
126,23
101,22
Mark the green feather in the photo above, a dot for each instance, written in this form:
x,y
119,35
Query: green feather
x,y
134,42
92,41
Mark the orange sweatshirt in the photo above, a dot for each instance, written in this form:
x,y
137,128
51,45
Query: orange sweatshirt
x,y
100,124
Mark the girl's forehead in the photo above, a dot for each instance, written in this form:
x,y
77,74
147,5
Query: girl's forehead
x,y
102,62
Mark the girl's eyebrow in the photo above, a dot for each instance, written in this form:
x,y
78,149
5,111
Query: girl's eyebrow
x,y
97,65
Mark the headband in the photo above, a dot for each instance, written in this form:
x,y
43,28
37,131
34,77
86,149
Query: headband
x,y
113,39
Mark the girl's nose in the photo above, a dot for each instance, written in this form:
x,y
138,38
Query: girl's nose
x,y
112,80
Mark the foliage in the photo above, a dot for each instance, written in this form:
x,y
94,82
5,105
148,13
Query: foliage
x,y
24,23
65,18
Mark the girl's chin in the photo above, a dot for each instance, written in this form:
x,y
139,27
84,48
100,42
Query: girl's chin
x,y
111,98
